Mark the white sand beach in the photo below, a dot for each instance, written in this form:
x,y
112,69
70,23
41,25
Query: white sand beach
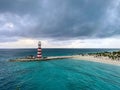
x,y
101,59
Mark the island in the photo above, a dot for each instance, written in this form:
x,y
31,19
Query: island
x,y
102,57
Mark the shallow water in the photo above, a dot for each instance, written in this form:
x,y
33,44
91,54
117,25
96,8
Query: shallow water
x,y
66,74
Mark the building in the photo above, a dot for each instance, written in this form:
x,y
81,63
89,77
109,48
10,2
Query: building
x,y
39,50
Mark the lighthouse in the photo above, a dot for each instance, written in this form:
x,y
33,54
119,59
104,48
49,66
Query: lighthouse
x,y
39,51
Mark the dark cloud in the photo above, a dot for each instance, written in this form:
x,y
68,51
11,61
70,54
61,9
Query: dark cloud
x,y
58,19
20,7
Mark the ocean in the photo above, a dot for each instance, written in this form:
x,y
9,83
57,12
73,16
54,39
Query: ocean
x,y
66,74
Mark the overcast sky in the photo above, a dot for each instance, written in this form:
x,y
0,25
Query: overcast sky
x,y
60,23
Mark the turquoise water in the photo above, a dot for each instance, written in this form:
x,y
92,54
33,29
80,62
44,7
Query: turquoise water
x,y
64,74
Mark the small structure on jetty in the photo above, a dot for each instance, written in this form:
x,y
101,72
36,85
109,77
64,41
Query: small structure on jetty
x,y
38,57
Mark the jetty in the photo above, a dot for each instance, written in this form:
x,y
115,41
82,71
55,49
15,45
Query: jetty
x,y
39,59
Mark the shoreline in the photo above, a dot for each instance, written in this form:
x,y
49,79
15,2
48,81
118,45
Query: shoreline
x,y
100,59
92,58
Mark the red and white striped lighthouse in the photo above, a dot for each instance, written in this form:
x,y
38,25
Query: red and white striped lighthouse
x,y
39,51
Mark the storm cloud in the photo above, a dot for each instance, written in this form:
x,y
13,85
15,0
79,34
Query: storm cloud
x,y
59,19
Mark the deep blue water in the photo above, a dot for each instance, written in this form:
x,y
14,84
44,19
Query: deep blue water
x,y
64,74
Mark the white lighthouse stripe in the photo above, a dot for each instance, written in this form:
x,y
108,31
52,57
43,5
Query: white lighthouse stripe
x,y
39,53
39,49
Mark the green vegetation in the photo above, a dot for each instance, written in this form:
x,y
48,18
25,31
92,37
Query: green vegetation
x,y
112,55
